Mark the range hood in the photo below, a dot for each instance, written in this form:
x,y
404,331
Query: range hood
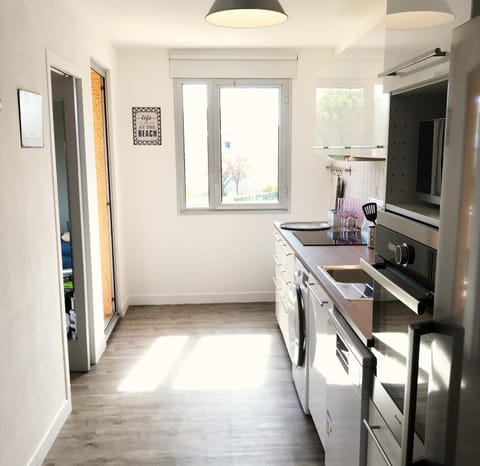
x,y
354,153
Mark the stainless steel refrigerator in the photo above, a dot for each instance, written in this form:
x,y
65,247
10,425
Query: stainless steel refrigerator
x,y
453,413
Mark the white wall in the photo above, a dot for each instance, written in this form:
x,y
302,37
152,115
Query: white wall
x,y
172,258
34,395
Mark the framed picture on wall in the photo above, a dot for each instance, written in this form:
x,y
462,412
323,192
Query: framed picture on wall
x,y
31,118
147,127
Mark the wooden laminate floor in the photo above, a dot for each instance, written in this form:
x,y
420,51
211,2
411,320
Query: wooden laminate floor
x,y
189,385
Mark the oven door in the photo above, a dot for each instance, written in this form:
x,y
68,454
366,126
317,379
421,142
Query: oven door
x,y
398,302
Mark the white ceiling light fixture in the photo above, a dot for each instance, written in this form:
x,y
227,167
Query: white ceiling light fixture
x,y
415,14
246,13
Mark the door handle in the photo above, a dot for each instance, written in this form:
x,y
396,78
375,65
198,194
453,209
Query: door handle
x,y
406,298
415,332
436,52
320,300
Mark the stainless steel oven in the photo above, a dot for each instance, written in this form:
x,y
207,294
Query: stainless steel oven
x,y
403,283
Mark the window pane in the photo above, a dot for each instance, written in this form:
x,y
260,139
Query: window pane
x,y
249,122
195,141
340,117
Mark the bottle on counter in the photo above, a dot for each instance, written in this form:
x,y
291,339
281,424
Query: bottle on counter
x,y
371,237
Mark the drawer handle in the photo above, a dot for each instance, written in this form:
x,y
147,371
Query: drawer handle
x,y
370,430
276,260
321,301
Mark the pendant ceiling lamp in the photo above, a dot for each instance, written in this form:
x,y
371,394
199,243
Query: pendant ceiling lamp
x,y
418,14
246,13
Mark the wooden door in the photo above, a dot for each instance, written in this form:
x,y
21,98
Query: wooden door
x,y
103,193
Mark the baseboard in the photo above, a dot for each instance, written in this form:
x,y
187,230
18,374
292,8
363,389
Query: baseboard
x,y
202,298
47,441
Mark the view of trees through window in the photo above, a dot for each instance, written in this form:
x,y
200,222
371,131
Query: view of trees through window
x,y
234,158
351,116
249,144
340,116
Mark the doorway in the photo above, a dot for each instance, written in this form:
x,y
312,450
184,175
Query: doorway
x,y
102,165
67,118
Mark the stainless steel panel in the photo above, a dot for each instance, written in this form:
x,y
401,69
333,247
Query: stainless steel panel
x,y
457,290
421,233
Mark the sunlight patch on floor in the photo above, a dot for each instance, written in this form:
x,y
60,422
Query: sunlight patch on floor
x,y
225,362
154,365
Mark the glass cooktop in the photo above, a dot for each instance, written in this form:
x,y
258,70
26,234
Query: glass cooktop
x,y
331,237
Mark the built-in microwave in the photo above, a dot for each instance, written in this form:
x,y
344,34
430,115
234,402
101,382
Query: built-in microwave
x,y
431,136
415,152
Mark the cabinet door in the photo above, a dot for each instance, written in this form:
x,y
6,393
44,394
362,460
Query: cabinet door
x,y
318,303
283,259
403,45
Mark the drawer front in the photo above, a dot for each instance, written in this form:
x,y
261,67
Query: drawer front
x,y
283,252
382,447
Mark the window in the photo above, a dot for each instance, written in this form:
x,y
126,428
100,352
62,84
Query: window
x,y
340,116
233,141
354,115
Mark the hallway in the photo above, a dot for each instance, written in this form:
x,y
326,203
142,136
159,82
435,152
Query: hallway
x,y
189,385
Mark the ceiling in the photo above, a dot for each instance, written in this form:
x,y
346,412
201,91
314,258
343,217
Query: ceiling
x,y
165,23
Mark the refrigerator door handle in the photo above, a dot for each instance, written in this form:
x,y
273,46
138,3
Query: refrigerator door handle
x,y
415,332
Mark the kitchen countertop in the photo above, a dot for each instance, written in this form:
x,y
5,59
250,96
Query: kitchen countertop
x,y
357,313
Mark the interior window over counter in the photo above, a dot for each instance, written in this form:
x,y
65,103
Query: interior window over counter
x,y
355,114
233,144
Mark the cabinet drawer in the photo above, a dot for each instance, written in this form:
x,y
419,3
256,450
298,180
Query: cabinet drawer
x,y
284,254
382,447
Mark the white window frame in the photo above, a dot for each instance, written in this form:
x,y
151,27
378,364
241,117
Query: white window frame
x,y
214,145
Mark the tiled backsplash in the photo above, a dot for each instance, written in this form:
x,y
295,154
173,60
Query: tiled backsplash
x,y
367,179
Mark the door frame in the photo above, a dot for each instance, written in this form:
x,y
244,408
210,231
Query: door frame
x,y
55,61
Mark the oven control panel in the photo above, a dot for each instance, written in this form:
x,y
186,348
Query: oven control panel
x,y
414,258
404,254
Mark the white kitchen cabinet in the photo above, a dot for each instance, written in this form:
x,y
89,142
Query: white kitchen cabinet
x,y
284,259
318,303
403,45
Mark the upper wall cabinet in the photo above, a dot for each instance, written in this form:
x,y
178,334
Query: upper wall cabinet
x,y
402,46
351,118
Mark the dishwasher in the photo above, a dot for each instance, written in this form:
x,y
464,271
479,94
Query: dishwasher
x,y
349,374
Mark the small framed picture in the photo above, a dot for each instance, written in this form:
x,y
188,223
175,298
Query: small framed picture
x,y
147,126
31,118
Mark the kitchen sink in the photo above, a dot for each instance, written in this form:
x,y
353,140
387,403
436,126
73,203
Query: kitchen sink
x,y
350,280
